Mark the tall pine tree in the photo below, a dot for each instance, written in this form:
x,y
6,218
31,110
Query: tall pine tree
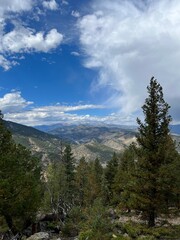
x,y
153,178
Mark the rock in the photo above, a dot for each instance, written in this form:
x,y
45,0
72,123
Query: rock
x,y
125,235
39,236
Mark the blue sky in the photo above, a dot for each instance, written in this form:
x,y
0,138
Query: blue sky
x,y
76,61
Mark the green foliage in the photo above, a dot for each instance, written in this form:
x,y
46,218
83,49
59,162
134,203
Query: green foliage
x,y
156,153
133,230
97,226
20,185
69,164
60,194
94,188
122,238
124,180
141,231
72,222
81,182
55,185
110,173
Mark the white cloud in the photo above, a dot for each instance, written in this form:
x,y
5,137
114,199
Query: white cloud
x,y
75,14
62,108
25,40
14,108
15,6
5,63
64,2
75,54
129,44
13,103
52,5
49,117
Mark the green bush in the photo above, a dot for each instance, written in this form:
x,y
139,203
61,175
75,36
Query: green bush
x,y
133,230
70,229
85,235
72,224
122,238
146,238
91,235
96,225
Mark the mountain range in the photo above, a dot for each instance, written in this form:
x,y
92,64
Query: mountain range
x,y
88,141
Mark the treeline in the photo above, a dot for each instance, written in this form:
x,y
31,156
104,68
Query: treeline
x,y
82,197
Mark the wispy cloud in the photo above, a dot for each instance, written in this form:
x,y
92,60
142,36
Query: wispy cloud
x,y
9,6
16,108
75,54
75,14
52,4
128,42
34,118
64,2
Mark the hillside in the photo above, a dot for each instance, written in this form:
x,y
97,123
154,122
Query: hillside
x,y
95,141
44,145
88,141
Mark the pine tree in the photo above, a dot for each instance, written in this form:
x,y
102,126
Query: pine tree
x,y
153,179
69,164
81,181
110,173
20,184
95,174
124,179
60,194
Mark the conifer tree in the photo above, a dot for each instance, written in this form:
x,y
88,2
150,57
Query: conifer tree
x,y
110,173
153,179
69,164
124,179
81,181
60,185
20,184
95,174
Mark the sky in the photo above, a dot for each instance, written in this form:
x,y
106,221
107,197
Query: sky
x,y
78,62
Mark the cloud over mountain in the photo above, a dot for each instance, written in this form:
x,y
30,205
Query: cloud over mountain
x,y
16,108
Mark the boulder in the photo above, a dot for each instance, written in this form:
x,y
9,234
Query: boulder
x,y
39,236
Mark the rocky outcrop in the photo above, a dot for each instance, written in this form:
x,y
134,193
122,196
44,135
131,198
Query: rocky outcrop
x,y
39,236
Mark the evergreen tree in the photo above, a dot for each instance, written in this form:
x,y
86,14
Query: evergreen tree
x,y
124,180
69,165
20,185
110,173
81,181
153,179
68,161
95,174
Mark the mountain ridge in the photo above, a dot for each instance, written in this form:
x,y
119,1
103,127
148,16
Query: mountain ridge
x,y
86,141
